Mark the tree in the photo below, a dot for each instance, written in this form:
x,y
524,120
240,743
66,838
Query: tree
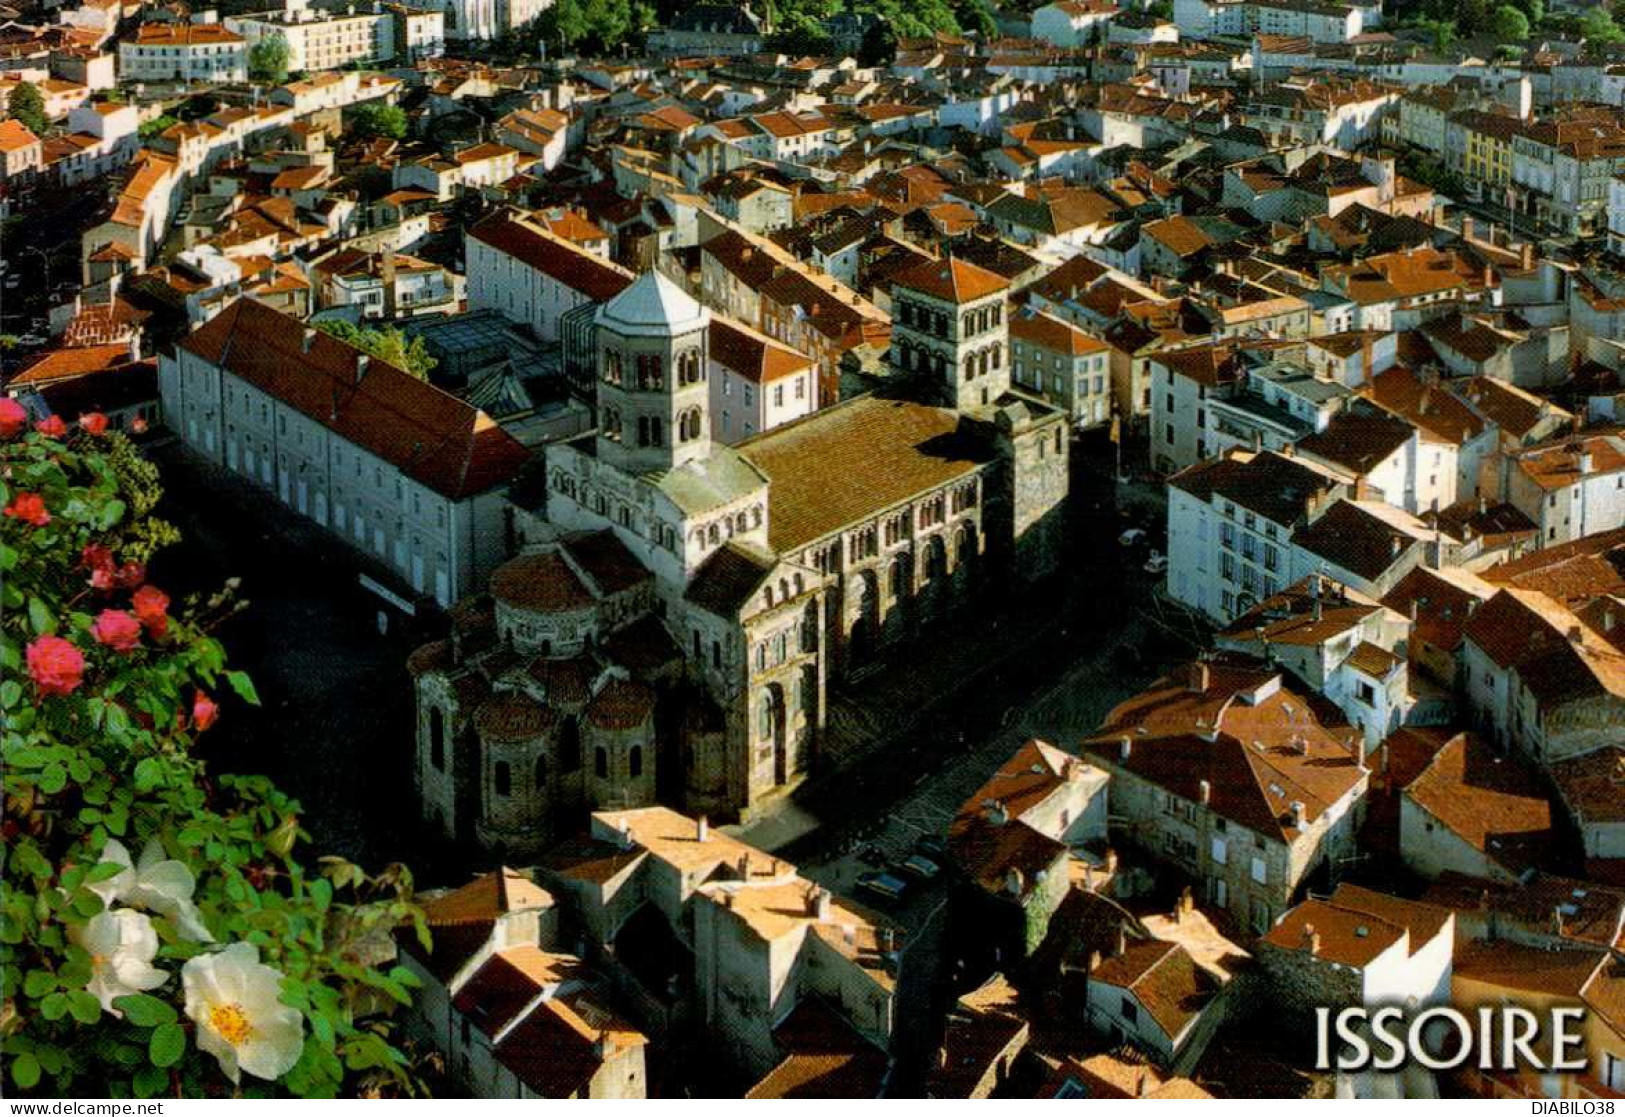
x,y
389,346
137,883
565,24
268,60
156,126
1597,27
27,107
799,34
977,16
1442,31
879,46
1509,25
378,118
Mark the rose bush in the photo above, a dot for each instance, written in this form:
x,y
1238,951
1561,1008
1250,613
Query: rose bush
x,y
215,961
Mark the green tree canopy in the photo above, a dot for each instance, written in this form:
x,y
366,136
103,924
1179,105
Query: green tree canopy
x,y
378,118
27,107
799,34
387,345
1509,25
268,60
156,126
879,46
1597,27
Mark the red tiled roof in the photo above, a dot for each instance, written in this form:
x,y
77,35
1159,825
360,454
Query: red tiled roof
x,y
431,436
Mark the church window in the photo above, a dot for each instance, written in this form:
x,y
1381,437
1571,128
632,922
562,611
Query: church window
x,y
600,763
502,779
650,375
634,761
612,366
570,745
765,713
761,657
756,516
712,535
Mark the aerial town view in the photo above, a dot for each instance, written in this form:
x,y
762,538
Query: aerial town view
x,y
840,549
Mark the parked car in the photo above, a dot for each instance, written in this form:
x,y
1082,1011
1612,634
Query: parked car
x,y
884,885
1157,563
920,866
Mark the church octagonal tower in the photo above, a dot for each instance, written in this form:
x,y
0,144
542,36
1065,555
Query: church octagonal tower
x,y
653,412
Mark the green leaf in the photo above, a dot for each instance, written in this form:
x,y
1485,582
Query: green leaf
x,y
54,1007
321,892
149,773
112,512
11,692
38,983
25,1070
244,686
149,1081
144,1011
53,779
167,1045
85,1007
40,617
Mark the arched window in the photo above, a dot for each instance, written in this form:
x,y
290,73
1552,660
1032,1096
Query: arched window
x,y
501,778
650,375
654,433
612,366
712,535
634,761
600,763
437,739
765,712
900,576
570,745
540,774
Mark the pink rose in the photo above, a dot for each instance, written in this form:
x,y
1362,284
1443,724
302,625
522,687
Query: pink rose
x,y
29,508
151,607
93,422
117,630
204,711
52,427
13,417
55,665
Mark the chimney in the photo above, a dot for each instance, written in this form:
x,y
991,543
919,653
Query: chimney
x,y
386,272
1187,902
818,901
310,338
1467,229
1196,677
1204,791
1094,960
702,828
1526,255
1142,1087
623,830
1557,921
1576,635
1585,462
1397,545
1416,607
1013,881
1311,938
1111,862
997,813
361,360
1299,813
1124,747
1122,942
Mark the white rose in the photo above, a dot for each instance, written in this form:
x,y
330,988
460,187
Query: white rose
x,y
121,945
234,1000
157,884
